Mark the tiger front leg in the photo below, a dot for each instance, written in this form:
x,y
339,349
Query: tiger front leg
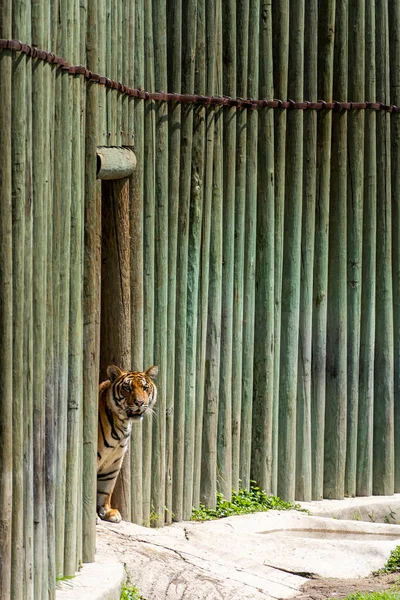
x,y
104,510
106,480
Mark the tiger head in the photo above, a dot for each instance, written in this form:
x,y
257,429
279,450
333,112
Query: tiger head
x,y
132,393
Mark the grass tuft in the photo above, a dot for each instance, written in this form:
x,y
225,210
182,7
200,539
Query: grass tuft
x,y
130,592
383,595
243,502
392,565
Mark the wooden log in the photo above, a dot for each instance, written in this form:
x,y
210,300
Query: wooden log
x,y
117,53
291,261
394,29
6,311
281,59
303,429
182,307
336,362
149,245
127,33
324,133
193,259
75,350
355,191
200,158
50,383
383,473
91,295
174,40
28,358
161,263
100,8
115,163
137,300
91,317
39,201
28,347
208,485
18,149
261,465
367,336
240,210
249,251
224,456
83,21
115,304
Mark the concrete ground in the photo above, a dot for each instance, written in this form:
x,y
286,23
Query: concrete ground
x,y
265,555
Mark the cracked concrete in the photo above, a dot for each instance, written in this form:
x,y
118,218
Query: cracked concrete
x,y
254,557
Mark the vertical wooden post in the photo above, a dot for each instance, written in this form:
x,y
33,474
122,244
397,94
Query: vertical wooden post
x,y
39,201
28,345
136,207
367,338
6,310
208,487
64,206
281,61
303,431
174,40
394,24
161,262
194,238
149,244
264,328
182,263
19,196
75,350
91,297
240,218
250,250
224,458
355,191
325,66
50,383
115,303
200,158
291,261
383,476
336,362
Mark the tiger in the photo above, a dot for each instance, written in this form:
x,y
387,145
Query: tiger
x,y
123,398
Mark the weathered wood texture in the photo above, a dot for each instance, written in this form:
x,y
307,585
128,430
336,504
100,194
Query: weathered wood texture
x,y
252,255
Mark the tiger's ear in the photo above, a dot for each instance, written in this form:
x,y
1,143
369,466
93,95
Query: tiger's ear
x,y
152,372
113,372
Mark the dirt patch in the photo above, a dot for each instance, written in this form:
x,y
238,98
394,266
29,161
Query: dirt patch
x,y
320,589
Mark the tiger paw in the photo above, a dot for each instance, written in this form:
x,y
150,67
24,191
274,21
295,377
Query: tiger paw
x,y
112,515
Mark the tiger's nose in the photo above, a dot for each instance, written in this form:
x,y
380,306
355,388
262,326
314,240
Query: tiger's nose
x,y
139,402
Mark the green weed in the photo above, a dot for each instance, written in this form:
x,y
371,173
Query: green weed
x,y
393,563
384,595
130,592
243,502
64,578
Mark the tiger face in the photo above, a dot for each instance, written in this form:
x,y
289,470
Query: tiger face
x,y
132,393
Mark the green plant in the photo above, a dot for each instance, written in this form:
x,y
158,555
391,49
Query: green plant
x,y
391,515
130,592
382,595
243,502
393,563
62,578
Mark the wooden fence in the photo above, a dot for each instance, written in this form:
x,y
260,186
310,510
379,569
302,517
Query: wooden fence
x,y
264,260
